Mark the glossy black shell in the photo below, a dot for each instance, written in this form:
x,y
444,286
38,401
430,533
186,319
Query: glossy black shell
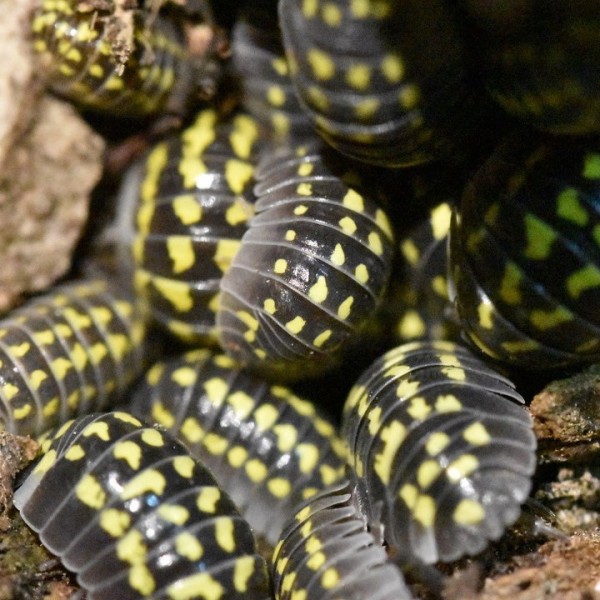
x,y
311,270
442,453
269,449
70,351
129,511
525,253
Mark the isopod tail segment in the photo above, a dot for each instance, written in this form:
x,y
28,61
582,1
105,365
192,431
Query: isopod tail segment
x,y
442,451
133,515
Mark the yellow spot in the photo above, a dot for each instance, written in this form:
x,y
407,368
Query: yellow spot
x,y
319,100
411,325
184,466
418,408
181,252
290,235
392,68
152,437
591,166
200,586
510,284
424,510
407,388
90,492
318,292
584,279
279,487
485,312
216,444
303,189
392,437
360,8
147,481
128,451
178,293
243,136
330,578
187,209
440,221
540,238
544,320
308,457
345,307
436,442
410,252
239,212
226,250
265,416
296,325
446,403
243,570
115,522
322,338
409,96
237,456
269,306
275,95
568,207
22,349
141,580
337,256
366,108
332,14
161,415
476,434
468,512
358,76
184,376
99,428
462,467
280,66
208,498
361,273
280,266
188,546
75,452
354,201
173,513
321,63
427,473
237,175
224,534
256,470
348,225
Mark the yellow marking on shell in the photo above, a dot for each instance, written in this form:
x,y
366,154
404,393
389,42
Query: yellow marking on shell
x,y
462,467
436,442
44,338
188,546
570,208
547,319
320,101
338,257
126,417
140,579
345,307
98,352
305,169
48,459
316,560
407,388
322,65
236,456
256,470
539,238
269,306
191,168
152,437
184,376
392,68
330,578
348,225
155,164
427,473
20,350
361,273
485,312
418,408
287,436
225,252
115,522
446,403
36,378
177,293
520,346
265,416
51,407
409,96
290,235
244,134
358,76
187,209
468,512
173,513
161,415
99,428
239,212
391,437
89,491
237,175
215,444
96,70
181,252
296,325
441,217
242,572
367,108
308,457
224,534
322,338
276,96
131,547
410,251
10,391
354,201
280,266
424,510
184,466
591,166
130,452
476,434
279,487
329,474
195,587
580,281
201,134
248,319
509,286
280,66
208,499
147,481
75,452
241,402
318,292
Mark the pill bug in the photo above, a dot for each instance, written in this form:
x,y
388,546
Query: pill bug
x,y
267,90
537,61
311,269
326,552
442,453
193,198
129,511
70,351
268,448
525,253
419,298
383,81
118,59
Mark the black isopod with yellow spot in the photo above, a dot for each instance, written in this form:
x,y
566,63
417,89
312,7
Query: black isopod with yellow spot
x,y
128,510
194,199
525,253
268,448
442,452
109,57
311,270
70,351
384,81
326,552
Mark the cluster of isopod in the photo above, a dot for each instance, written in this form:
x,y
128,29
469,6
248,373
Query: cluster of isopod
x,y
291,230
